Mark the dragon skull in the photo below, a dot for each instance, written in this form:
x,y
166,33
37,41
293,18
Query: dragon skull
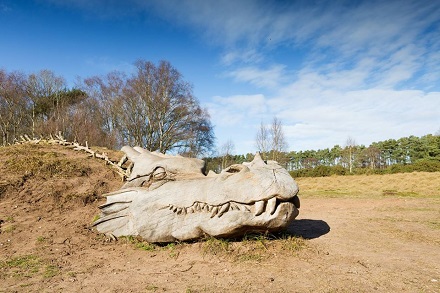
x,y
169,198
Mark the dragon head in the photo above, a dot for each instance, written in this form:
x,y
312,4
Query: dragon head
x,y
168,198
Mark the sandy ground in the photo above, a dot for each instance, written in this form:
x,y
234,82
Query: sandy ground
x,y
359,244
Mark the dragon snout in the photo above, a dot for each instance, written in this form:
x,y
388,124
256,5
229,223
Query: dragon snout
x,y
273,203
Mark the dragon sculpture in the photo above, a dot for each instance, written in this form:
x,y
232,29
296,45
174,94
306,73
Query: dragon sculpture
x,y
169,198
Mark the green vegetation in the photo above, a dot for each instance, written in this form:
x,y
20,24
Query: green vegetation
x,y
41,239
251,247
152,287
139,243
407,154
293,244
27,266
8,228
424,165
50,271
21,266
215,246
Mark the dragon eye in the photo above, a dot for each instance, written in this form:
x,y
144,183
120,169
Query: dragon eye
x,y
159,173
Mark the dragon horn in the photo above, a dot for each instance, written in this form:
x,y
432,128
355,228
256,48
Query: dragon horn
x,y
257,159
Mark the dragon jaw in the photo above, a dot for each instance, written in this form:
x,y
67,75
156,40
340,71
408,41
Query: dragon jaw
x,y
257,196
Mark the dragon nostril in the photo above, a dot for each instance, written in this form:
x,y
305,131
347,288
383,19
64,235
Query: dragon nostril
x,y
234,169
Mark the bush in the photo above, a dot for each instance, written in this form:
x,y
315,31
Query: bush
x,y
424,165
319,171
427,165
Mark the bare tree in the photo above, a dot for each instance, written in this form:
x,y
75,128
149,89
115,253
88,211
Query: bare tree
x,y
279,144
271,140
154,108
226,151
85,123
44,88
262,140
14,106
201,137
350,146
108,92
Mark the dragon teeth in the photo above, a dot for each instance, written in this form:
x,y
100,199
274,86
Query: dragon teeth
x,y
223,209
272,205
236,206
220,210
214,211
259,207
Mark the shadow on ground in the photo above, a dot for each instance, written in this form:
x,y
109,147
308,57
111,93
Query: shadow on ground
x,y
308,229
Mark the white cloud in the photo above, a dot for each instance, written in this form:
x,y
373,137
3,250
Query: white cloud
x,y
235,110
246,56
268,78
367,116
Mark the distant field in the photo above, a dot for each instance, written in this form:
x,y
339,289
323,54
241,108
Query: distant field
x,y
417,184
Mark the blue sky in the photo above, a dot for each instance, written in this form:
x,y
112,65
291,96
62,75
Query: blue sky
x,y
329,70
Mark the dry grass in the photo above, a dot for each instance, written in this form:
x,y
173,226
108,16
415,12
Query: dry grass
x,y
416,184
34,160
254,247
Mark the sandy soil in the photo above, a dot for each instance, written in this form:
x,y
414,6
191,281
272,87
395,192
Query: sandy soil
x,y
359,244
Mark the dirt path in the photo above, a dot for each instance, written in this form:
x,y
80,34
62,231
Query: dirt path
x,y
353,245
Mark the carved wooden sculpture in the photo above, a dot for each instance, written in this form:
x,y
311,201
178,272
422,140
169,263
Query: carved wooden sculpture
x,y
169,198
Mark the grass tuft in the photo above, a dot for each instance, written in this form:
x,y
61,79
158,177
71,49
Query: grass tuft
x,y
21,266
215,246
41,239
253,247
51,271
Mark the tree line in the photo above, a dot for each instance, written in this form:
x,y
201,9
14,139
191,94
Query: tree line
x,y
406,154
154,108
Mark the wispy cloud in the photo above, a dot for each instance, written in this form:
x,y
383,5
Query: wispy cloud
x,y
4,8
265,78
245,56
106,65
229,111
